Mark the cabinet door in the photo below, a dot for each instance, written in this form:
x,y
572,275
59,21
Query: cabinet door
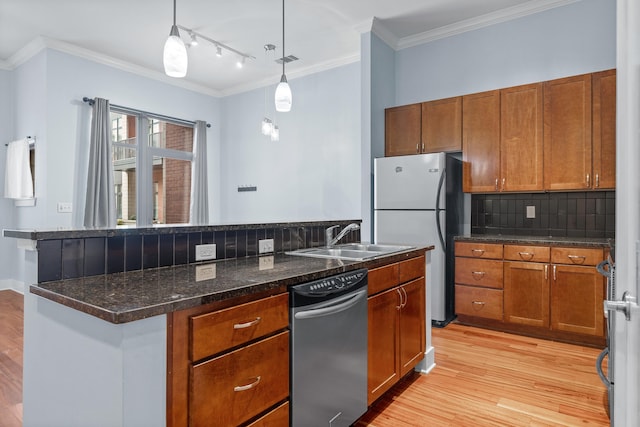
x,y
576,300
382,368
481,142
567,133
442,125
402,129
521,144
604,129
412,325
526,293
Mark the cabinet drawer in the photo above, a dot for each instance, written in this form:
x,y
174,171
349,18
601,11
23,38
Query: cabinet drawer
x,y
383,278
411,269
278,417
479,302
526,253
220,330
479,250
479,272
237,386
576,256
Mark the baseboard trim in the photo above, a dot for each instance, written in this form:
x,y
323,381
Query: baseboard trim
x,y
13,285
429,361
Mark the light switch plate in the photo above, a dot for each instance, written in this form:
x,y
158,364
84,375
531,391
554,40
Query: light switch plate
x,y
531,211
265,246
65,207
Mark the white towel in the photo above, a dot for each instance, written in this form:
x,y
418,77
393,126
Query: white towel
x,y
18,183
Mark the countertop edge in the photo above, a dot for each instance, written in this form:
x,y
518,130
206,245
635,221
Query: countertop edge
x,y
538,240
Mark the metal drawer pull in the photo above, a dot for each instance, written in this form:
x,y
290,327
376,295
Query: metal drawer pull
x,y
248,386
248,324
554,272
503,181
398,307
477,252
496,184
528,255
597,180
418,148
577,259
482,303
546,272
588,180
478,274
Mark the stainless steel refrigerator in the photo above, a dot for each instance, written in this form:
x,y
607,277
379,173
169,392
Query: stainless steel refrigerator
x,y
418,200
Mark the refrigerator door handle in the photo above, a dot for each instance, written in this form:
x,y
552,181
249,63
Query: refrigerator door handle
x,y
601,374
438,225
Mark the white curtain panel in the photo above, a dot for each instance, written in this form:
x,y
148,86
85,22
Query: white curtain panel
x,y
199,209
100,209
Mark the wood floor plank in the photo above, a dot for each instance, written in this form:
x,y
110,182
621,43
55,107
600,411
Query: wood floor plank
x,y
489,378
11,345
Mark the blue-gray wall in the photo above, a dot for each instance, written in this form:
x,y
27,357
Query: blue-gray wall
x,y
569,40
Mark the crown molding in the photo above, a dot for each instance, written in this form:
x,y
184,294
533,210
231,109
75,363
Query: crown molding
x,y
375,26
4,65
503,15
273,80
40,43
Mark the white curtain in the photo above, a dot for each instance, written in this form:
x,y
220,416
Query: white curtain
x,y
100,209
199,209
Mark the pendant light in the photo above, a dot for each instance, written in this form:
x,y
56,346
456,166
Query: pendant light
x,y
283,96
175,52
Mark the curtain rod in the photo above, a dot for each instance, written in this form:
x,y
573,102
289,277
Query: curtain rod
x,y
32,141
145,113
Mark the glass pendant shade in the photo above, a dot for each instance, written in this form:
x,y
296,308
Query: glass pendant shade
x,y
283,96
175,55
267,126
275,133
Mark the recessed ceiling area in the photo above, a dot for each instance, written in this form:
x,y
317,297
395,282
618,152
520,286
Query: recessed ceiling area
x,y
322,33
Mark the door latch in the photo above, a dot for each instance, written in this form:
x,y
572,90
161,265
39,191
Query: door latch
x,y
624,305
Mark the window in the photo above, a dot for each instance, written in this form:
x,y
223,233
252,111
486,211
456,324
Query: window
x,y
152,173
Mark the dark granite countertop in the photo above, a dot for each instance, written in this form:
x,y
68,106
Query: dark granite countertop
x,y
130,296
587,242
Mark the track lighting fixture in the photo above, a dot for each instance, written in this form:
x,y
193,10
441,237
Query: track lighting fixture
x,y
194,39
283,98
174,57
218,51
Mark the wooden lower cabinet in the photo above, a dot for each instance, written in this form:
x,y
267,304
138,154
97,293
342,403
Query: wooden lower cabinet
x,y
479,302
397,324
576,300
526,293
278,417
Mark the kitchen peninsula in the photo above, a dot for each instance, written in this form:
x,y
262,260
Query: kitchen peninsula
x,y
96,346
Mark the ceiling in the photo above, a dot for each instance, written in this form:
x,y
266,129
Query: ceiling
x,y
130,34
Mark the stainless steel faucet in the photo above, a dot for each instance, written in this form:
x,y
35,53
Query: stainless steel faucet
x,y
330,240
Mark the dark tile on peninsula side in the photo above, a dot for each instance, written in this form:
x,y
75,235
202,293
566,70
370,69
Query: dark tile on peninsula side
x,y
180,249
286,239
150,251
218,239
133,252
49,260
252,242
230,244
241,243
94,256
166,250
208,237
194,240
72,258
115,254
277,240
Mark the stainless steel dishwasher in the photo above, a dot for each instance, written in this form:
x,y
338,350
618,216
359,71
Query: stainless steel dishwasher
x,y
329,351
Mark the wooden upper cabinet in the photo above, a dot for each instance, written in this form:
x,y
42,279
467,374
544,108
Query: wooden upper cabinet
x,y
481,142
567,133
521,138
402,131
604,129
442,125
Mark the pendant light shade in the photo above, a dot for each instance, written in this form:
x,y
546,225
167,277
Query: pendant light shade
x,y
283,97
175,52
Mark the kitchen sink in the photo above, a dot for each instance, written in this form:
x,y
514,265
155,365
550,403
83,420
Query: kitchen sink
x,y
350,251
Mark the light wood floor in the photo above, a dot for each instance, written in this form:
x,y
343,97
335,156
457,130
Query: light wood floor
x,y
487,378
481,378
11,309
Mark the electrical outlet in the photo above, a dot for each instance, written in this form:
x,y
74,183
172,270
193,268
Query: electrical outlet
x,y
531,211
205,252
265,262
265,246
65,207
205,272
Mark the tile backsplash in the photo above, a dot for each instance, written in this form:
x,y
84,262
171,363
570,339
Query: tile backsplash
x,y
72,257
575,214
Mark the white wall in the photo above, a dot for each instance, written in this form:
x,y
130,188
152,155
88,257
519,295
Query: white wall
x,y
569,40
313,172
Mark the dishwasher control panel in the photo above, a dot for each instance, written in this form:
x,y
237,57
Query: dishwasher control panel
x,y
333,284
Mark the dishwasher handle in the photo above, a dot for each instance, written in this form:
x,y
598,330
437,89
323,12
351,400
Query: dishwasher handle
x,y
342,304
